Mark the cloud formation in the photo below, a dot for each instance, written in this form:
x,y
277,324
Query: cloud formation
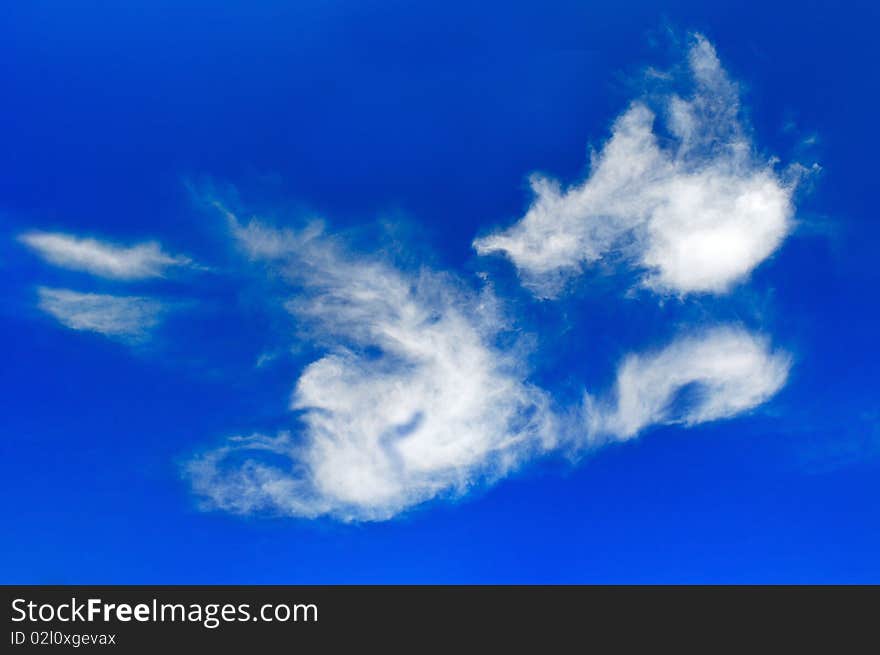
x,y
413,399
726,369
693,209
416,398
140,261
421,390
125,318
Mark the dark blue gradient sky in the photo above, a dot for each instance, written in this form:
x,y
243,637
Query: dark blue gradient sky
x,y
429,116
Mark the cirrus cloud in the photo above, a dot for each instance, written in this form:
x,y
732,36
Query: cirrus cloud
x,y
414,398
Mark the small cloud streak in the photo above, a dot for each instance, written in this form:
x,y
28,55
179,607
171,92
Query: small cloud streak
x,y
693,209
108,260
124,318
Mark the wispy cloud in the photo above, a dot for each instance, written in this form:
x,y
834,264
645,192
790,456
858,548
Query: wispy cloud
x,y
694,208
140,261
413,400
727,370
126,318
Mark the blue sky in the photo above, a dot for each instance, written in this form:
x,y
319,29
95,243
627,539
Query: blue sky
x,y
325,292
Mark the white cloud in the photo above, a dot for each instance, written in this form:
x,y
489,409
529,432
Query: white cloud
x,y
128,318
413,400
694,209
727,369
143,260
